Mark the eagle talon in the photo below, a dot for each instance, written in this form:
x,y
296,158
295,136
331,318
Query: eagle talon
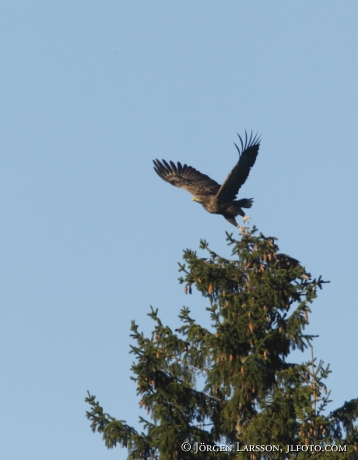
x,y
243,230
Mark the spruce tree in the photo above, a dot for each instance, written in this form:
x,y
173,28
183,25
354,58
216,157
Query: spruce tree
x,y
223,389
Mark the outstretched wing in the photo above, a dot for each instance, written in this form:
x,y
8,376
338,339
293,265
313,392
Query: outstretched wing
x,y
237,177
186,177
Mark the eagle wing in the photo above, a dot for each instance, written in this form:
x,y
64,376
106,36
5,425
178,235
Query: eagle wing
x,y
237,177
285,261
186,177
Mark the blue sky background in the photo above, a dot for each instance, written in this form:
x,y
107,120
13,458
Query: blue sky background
x,y
91,92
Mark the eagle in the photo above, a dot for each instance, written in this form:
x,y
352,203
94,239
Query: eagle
x,y
286,261
215,198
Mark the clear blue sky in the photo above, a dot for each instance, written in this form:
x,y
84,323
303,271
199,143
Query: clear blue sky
x,y
91,92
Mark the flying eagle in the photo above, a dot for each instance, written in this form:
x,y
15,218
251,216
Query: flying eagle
x,y
215,198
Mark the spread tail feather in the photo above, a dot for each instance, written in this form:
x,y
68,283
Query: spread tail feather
x,y
245,202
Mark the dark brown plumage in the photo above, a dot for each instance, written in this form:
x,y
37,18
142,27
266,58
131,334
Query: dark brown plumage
x,y
285,261
214,198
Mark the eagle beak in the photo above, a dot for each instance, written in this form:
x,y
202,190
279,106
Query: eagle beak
x,y
194,198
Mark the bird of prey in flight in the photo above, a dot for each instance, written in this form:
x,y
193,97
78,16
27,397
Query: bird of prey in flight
x,y
215,198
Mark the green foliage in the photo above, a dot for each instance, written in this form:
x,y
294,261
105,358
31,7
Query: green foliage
x,y
232,382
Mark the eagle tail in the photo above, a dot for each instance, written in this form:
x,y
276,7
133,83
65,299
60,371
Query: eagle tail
x,y
244,203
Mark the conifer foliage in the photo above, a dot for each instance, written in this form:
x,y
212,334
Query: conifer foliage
x,y
233,382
